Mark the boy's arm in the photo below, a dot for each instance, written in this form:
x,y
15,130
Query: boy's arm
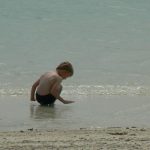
x,y
34,86
64,101
56,90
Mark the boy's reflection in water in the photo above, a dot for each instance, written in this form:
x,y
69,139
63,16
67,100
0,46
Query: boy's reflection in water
x,y
47,112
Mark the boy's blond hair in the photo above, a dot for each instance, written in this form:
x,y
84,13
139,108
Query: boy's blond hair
x,y
67,66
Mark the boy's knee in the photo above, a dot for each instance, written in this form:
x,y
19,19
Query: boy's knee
x,y
60,89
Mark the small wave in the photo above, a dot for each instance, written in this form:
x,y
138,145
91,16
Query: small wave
x,y
107,90
88,90
13,92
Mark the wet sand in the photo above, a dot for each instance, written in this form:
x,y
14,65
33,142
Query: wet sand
x,y
130,138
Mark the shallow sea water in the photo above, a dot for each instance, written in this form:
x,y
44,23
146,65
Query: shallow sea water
x,y
107,42
17,113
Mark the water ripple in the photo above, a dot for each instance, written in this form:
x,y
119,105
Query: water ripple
x,y
107,90
88,90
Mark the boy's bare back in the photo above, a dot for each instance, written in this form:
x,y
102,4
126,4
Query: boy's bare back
x,y
47,81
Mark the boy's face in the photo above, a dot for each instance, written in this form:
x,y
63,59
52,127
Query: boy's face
x,y
65,75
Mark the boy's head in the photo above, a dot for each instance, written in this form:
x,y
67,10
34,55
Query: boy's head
x,y
66,67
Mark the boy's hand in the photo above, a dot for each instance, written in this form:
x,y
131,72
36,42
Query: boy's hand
x,y
68,102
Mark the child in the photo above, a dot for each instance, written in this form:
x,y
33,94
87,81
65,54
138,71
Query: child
x,y
48,87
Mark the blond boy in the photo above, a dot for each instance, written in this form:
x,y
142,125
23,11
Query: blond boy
x,y
48,87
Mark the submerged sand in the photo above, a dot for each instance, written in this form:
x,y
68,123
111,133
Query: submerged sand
x,y
82,139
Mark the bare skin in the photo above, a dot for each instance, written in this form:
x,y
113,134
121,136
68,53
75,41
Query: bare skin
x,y
50,83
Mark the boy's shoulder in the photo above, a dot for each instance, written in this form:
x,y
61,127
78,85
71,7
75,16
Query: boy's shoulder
x,y
53,75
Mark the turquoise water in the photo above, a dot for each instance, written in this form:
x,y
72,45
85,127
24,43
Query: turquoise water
x,y
107,41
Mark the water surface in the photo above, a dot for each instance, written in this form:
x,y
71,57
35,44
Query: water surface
x,y
107,41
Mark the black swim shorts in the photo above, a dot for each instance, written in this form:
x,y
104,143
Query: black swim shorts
x,y
45,99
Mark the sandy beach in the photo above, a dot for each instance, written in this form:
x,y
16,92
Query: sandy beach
x,y
82,139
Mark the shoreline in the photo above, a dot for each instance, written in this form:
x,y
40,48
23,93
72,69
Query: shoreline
x,y
111,138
